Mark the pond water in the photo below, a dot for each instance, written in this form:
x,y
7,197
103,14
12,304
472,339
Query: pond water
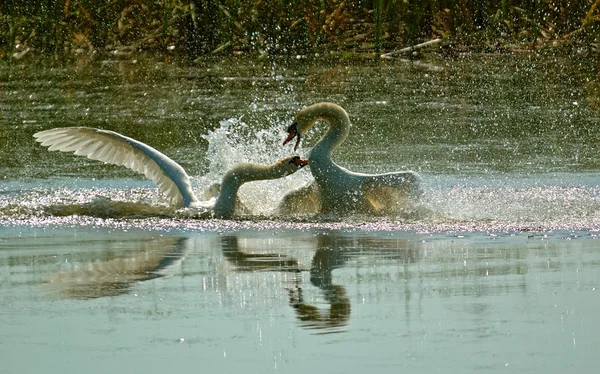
x,y
497,270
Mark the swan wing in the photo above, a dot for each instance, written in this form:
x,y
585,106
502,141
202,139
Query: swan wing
x,y
302,200
388,191
407,181
113,148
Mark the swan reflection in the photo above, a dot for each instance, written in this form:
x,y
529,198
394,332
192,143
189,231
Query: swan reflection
x,y
331,252
115,276
244,261
327,258
319,299
323,263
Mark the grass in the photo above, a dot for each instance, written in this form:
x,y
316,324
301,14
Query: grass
x,y
194,28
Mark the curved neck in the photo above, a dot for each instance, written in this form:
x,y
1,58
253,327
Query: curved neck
x,y
236,177
337,119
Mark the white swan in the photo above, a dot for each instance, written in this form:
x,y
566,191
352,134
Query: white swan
x,y
341,190
113,148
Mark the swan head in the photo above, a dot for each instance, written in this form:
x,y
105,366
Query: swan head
x,y
290,165
305,119
293,132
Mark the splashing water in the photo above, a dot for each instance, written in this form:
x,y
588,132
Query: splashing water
x,y
496,202
560,201
450,202
234,142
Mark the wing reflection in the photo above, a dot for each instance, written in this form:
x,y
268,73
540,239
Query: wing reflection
x,y
115,276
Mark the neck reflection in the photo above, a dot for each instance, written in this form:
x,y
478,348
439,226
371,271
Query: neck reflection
x,y
326,259
330,311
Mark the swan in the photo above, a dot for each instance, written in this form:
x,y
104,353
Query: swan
x,y
113,148
341,190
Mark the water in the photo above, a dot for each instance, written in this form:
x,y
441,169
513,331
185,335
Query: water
x,y
497,270
294,300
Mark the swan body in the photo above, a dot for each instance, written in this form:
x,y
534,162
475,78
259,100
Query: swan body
x,y
304,200
113,148
341,190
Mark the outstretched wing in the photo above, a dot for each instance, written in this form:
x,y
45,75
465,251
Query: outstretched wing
x,y
113,148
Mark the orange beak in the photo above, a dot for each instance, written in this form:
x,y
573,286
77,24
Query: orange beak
x,y
301,163
298,162
291,136
292,133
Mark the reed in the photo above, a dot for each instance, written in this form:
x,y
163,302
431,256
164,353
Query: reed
x,y
194,28
378,27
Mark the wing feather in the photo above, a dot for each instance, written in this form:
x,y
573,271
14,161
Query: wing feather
x,y
86,150
113,148
75,145
58,143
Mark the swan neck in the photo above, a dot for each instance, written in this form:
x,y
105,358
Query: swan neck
x,y
225,204
235,178
336,134
338,125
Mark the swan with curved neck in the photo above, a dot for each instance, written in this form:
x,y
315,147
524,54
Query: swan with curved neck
x,y
113,148
340,189
235,177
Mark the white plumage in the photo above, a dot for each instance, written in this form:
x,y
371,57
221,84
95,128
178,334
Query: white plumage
x,y
113,148
339,189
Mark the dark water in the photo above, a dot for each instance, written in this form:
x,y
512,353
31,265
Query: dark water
x,y
498,138
497,272
467,115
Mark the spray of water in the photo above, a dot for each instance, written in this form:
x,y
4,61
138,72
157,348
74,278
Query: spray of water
x,y
541,201
233,142
449,202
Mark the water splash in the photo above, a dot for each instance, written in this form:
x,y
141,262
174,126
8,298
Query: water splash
x,y
235,141
450,202
538,201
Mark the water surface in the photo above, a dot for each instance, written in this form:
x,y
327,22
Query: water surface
x,y
285,300
496,270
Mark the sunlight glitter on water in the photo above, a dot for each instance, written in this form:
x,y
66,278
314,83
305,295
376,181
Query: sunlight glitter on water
x,y
482,205
474,203
498,264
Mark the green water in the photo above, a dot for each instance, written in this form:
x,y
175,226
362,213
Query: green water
x,y
471,114
497,272
296,300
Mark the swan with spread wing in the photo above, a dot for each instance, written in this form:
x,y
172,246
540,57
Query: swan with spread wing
x,y
113,148
340,190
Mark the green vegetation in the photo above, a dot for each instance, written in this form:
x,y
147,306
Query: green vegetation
x,y
193,28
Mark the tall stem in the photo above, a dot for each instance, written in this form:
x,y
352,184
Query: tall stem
x,y
378,27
